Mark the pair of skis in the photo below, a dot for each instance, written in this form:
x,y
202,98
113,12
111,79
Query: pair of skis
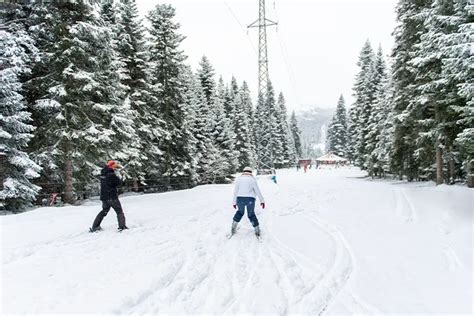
x,y
230,235
99,229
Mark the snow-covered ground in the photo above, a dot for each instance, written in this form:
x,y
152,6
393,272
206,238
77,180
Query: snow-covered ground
x,y
333,243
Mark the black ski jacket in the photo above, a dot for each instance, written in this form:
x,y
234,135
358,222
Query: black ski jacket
x,y
108,184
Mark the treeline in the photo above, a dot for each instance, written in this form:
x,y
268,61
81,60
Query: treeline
x,y
81,85
416,118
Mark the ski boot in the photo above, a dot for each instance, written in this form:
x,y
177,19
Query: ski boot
x,y
122,228
257,231
93,230
234,227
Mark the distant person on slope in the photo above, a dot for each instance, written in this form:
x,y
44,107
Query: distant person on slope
x,y
245,191
109,182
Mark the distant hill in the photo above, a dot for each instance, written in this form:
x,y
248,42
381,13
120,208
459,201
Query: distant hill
x,y
313,124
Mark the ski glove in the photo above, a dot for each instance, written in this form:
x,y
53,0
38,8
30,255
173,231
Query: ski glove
x,y
262,205
234,206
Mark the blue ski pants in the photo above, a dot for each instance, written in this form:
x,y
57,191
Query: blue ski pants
x,y
249,203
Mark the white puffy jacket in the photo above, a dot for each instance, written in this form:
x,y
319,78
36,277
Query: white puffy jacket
x,y
246,186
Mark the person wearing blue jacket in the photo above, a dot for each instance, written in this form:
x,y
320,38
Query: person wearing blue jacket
x,y
245,192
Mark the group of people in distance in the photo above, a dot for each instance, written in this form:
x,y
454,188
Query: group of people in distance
x,y
246,191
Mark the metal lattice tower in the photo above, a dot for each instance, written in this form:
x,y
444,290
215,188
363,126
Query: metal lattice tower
x,y
265,157
262,23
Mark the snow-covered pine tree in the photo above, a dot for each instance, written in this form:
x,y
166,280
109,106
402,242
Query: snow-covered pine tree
x,y
410,26
244,146
108,12
206,75
275,133
364,94
221,90
457,70
436,97
132,51
167,94
126,146
426,104
40,26
223,134
337,130
206,154
351,133
231,91
289,153
192,101
263,128
374,122
224,140
280,135
328,147
250,112
16,168
384,117
77,99
296,133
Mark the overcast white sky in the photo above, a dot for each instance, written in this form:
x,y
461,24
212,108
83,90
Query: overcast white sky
x,y
312,53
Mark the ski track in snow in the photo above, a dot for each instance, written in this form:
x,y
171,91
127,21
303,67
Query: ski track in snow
x,y
302,286
335,282
336,278
452,258
194,269
293,276
16,254
243,287
176,282
404,205
330,282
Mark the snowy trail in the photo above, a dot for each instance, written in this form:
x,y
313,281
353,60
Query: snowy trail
x,y
337,274
325,236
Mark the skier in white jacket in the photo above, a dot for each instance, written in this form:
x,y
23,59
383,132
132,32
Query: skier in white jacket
x,y
245,191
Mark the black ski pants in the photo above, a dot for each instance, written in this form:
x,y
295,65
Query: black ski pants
x,y
106,205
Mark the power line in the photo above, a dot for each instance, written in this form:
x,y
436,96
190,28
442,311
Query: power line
x,y
289,70
241,26
285,56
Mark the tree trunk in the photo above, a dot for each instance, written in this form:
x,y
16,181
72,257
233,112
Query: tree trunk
x,y
135,184
439,163
68,194
452,168
439,149
410,175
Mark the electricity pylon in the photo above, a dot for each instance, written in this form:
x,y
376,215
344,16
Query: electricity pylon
x,y
262,23
264,153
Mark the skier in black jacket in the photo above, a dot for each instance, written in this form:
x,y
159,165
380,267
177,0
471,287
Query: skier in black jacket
x,y
109,196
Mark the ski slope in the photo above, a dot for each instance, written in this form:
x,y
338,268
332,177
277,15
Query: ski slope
x,y
334,242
